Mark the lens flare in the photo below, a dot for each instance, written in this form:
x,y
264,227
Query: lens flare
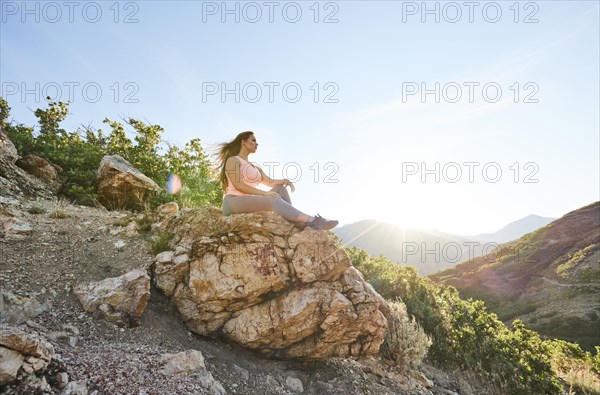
x,y
173,184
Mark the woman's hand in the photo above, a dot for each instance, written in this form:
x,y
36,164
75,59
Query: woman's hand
x,y
287,182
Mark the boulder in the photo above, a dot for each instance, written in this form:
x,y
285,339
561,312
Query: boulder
x,y
259,281
7,148
20,351
294,383
16,182
120,185
190,362
18,309
167,209
10,363
39,167
26,344
119,299
182,363
11,226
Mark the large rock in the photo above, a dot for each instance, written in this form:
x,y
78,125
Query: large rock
x,y
190,362
16,182
182,363
120,185
167,209
15,227
18,309
7,148
10,363
119,299
260,282
20,351
39,167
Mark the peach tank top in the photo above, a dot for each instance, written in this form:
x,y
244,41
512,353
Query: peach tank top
x,y
249,175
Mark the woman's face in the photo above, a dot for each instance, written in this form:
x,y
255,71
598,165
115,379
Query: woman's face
x,y
250,144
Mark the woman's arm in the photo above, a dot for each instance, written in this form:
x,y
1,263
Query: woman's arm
x,y
267,180
234,173
271,182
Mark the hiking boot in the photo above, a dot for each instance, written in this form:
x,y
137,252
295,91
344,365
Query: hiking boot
x,y
320,223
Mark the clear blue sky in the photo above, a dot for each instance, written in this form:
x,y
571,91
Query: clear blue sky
x,y
366,131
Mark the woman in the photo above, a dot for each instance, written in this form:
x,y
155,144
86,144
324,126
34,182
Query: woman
x,y
240,179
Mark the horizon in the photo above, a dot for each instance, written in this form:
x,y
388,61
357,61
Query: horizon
x,y
419,117
451,233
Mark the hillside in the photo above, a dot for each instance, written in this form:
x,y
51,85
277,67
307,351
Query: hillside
x,y
429,251
46,256
511,231
549,278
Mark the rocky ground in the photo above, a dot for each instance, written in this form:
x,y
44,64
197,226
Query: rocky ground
x,y
43,257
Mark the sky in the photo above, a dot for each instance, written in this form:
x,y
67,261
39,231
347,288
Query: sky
x,y
455,116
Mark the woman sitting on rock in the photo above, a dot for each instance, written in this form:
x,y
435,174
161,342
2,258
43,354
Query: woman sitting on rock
x,y
240,179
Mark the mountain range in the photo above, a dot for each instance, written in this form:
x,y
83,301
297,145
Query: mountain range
x,y
430,250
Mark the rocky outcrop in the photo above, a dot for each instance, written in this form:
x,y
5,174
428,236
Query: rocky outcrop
x,y
16,183
29,364
14,227
7,148
10,363
259,281
120,185
18,309
22,354
167,209
39,167
120,299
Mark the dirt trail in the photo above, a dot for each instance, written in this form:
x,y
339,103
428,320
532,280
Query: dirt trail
x,y
566,285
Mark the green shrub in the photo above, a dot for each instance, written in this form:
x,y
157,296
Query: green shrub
x,y
160,243
79,154
565,270
464,335
579,369
144,223
595,361
37,208
4,111
405,342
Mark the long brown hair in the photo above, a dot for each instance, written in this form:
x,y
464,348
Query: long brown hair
x,y
226,151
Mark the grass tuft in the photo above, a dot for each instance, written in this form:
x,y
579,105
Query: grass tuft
x,y
60,214
160,243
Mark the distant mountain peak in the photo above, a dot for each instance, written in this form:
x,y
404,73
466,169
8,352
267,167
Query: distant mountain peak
x,y
515,229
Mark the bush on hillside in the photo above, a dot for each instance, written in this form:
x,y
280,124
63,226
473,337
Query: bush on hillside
x,y
405,343
79,154
464,334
